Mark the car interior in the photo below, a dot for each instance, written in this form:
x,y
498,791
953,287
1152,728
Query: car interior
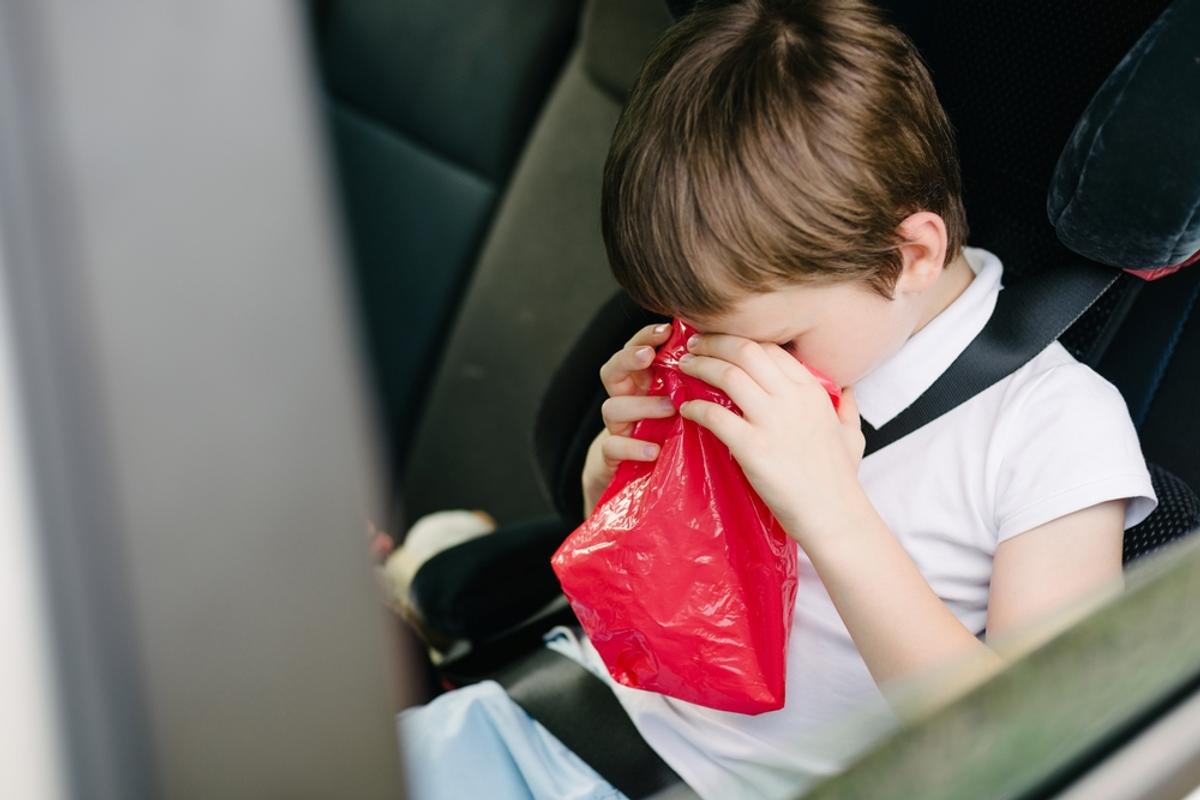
x,y
495,405
409,194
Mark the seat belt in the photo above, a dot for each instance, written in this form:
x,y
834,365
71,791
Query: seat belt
x,y
591,723
1028,316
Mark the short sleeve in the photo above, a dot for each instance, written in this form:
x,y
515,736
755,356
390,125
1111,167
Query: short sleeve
x,y
1066,442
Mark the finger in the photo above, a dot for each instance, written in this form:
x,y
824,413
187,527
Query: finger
x,y
654,335
623,448
745,353
794,368
788,364
621,412
626,372
749,396
724,424
618,373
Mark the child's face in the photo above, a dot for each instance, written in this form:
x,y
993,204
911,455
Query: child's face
x,y
846,329
843,330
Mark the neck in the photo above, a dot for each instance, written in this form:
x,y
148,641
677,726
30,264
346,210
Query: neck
x,y
953,281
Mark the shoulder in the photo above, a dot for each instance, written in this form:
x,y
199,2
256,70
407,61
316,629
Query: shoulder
x,y
1054,384
1063,440
1060,419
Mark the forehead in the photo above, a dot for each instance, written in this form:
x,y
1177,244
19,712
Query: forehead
x,y
762,315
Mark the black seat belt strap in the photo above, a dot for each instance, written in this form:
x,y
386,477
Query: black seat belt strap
x,y
584,714
1027,318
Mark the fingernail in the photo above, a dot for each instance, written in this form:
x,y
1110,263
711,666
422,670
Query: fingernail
x,y
691,342
651,450
645,353
660,328
667,405
686,357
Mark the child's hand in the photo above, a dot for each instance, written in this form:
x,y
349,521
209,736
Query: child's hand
x,y
626,377
798,453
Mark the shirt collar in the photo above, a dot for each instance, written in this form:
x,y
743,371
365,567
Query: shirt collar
x,y
893,385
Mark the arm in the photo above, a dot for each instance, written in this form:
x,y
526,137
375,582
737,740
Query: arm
x,y
802,458
596,474
1046,578
917,651
904,632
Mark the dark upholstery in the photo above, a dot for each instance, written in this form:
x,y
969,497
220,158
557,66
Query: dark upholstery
x,y
1015,78
430,102
1177,515
568,416
1154,363
484,585
1127,186
541,276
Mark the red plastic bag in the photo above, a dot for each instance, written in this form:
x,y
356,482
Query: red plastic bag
x,y
682,577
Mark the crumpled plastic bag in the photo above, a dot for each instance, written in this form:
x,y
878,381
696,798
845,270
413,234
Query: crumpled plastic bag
x,y
682,578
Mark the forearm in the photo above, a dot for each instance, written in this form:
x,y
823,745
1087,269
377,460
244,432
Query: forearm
x,y
591,495
902,629
589,501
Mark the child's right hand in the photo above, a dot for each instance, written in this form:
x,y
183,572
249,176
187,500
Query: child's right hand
x,y
626,378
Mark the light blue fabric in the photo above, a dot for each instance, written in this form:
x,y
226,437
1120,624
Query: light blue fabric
x,y
476,742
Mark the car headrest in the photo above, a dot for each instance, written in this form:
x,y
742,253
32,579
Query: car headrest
x,y
1126,190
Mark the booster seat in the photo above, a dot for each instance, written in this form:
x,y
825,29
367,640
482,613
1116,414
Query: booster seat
x,y
1113,202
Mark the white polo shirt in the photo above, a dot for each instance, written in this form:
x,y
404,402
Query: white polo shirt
x,y
1051,438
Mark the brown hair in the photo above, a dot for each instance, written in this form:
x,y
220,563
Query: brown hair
x,y
774,143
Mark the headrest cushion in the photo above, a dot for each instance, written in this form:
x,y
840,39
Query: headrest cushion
x,y
1126,190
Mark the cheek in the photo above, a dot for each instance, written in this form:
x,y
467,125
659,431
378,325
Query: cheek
x,y
828,354
878,341
850,349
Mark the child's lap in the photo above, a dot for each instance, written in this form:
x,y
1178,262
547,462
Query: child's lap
x,y
476,742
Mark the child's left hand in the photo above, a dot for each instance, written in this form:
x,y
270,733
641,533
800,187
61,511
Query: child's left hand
x,y
798,453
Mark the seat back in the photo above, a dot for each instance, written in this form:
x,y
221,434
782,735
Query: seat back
x,y
428,105
541,276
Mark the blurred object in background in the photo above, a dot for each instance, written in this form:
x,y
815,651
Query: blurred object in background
x,y
188,457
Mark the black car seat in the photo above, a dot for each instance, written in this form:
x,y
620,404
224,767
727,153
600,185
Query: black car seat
x,y
429,103
991,66
541,275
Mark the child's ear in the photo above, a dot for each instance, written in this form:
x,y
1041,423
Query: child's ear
x,y
923,252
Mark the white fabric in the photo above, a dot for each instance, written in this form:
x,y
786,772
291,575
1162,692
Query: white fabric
x,y
1052,438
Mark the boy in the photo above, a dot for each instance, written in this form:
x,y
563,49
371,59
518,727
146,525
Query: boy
x,y
784,178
